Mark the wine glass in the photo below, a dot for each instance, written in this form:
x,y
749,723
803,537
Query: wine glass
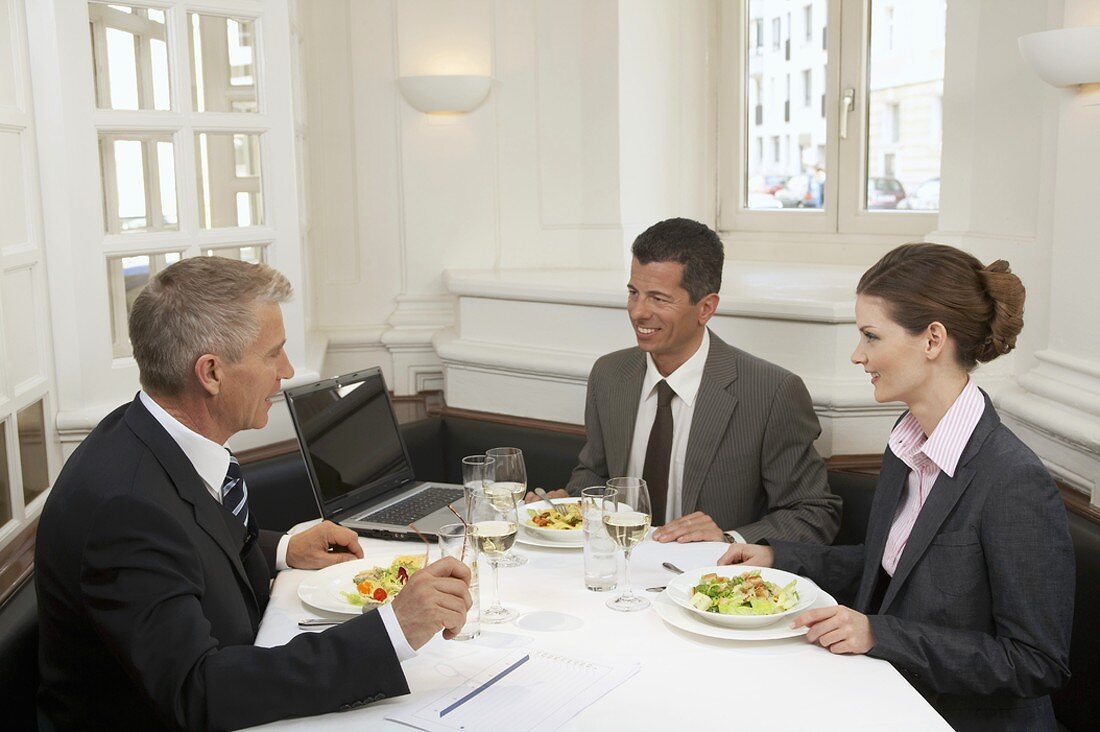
x,y
494,521
626,516
478,472
510,474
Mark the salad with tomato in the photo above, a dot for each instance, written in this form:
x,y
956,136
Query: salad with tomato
x,y
379,585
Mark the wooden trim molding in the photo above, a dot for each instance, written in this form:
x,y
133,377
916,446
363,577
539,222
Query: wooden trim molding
x,y
1078,503
509,420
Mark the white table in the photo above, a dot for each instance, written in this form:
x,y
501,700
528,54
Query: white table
x,y
792,684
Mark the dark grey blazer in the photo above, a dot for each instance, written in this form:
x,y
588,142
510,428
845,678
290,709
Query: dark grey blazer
x,y
750,463
977,616
149,599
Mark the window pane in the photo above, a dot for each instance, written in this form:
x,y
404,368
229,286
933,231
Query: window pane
x,y
905,89
32,451
223,63
130,57
230,186
5,487
254,254
785,136
139,182
126,277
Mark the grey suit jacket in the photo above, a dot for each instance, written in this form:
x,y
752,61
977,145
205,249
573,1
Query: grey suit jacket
x,y
978,613
750,462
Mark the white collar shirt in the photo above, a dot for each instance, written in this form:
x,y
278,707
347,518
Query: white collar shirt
x,y
685,382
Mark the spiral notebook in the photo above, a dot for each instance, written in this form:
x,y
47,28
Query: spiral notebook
x,y
505,693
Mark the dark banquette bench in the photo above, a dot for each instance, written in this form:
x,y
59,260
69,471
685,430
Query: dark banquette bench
x,y
280,497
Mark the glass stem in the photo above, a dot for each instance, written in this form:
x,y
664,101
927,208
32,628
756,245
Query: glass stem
x,y
627,594
497,607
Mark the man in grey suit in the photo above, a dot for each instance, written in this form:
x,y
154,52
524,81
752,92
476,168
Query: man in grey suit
x,y
724,439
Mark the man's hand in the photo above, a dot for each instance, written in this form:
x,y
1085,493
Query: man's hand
x,y
840,629
755,554
436,598
322,545
694,527
531,497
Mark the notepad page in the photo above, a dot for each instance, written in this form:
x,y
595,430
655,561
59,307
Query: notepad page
x,y
513,693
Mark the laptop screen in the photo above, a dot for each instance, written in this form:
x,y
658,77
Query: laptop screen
x,y
349,439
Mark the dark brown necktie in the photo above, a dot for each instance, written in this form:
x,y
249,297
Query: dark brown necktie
x,y
658,453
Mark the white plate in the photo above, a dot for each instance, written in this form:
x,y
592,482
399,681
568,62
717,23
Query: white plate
x,y
531,539
322,588
554,536
679,591
679,617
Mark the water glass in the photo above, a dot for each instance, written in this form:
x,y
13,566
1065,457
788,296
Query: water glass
x,y
600,566
457,540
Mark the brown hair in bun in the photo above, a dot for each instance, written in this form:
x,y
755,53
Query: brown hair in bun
x,y
982,308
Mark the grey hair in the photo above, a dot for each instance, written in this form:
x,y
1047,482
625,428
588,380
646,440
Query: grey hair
x,y
199,305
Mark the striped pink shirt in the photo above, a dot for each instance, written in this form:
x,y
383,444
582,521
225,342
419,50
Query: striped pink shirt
x,y
926,458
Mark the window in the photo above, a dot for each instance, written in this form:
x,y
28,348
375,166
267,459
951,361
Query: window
x,y
758,34
843,162
777,34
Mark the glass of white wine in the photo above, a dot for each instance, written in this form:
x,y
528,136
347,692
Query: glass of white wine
x,y
494,521
510,473
626,516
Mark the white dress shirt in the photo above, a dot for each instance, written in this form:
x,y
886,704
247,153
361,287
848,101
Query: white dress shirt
x,y
685,382
211,462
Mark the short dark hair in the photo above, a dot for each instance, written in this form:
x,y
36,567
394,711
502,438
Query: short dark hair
x,y
686,242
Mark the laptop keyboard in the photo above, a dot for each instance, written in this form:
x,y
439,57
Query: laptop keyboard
x,y
415,507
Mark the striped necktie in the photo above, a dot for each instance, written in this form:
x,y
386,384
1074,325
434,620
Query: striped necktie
x,y
235,494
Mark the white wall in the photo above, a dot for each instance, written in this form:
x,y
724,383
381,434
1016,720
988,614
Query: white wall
x,y
600,121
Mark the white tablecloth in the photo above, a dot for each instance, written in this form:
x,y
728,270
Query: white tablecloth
x,y
686,681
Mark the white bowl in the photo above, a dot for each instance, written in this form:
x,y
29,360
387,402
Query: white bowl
x,y
679,590
560,535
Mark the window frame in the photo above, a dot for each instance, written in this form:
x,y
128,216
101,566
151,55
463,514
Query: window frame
x,y
844,216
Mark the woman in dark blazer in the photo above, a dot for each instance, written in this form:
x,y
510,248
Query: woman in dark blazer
x,y
965,578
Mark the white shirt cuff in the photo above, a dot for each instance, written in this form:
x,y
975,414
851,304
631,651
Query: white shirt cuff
x,y
397,636
736,537
280,553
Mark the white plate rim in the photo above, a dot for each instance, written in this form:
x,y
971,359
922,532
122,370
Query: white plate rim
x,y
689,578
530,539
680,617
313,590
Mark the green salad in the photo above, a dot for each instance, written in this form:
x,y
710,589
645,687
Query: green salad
x,y
379,585
745,594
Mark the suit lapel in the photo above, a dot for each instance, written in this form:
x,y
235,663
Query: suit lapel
x,y
208,514
625,395
714,407
888,492
943,497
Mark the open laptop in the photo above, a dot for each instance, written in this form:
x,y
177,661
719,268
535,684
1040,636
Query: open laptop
x,y
358,462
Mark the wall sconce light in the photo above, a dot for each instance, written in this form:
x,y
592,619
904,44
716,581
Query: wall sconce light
x,y
1066,57
445,94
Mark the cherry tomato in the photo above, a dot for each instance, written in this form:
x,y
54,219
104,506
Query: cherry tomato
x,y
379,595
364,588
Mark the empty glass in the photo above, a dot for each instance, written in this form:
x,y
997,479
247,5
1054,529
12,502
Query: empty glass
x,y
510,473
626,517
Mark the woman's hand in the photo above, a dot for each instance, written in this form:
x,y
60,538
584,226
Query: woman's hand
x,y
755,554
840,629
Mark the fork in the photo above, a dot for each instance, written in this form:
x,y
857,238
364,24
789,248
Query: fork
x,y
556,506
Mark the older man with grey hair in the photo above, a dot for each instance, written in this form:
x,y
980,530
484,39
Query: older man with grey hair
x,y
152,575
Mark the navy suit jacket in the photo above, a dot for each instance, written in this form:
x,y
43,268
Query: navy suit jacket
x,y
149,599
978,613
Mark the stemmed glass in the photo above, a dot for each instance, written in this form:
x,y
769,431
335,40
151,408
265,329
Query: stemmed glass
x,y
510,473
626,516
494,521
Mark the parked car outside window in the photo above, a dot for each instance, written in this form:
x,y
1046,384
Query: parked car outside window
x,y
884,193
925,198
